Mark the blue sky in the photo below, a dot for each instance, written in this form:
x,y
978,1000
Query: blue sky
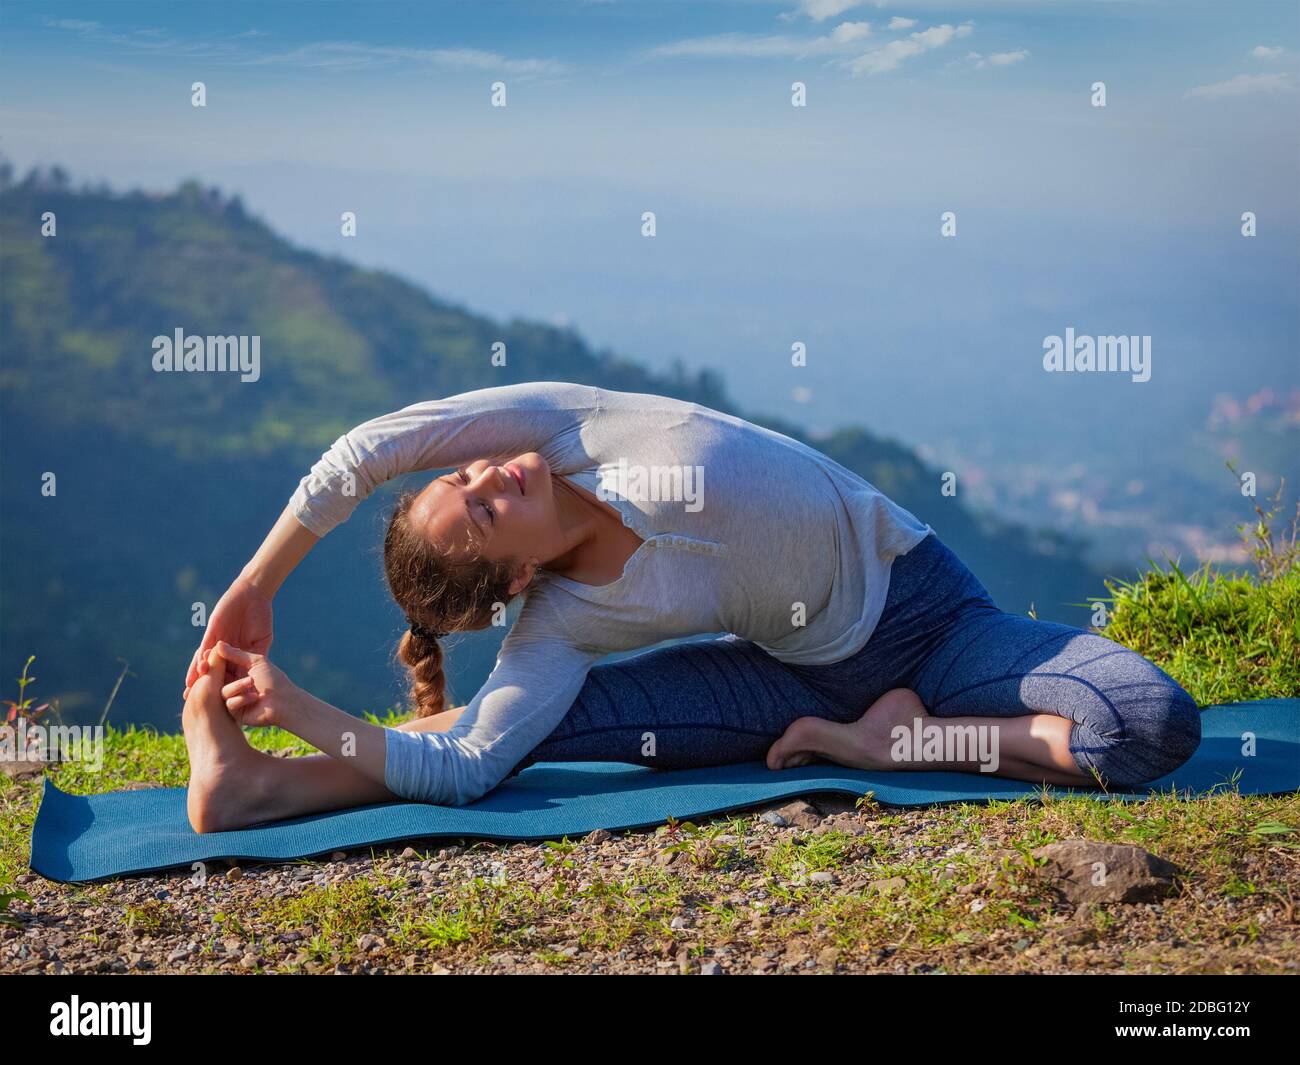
x,y
989,99
775,223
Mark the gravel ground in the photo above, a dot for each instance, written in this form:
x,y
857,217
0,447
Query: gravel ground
x,y
805,887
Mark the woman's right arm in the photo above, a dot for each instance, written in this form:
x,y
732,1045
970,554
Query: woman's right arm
x,y
242,616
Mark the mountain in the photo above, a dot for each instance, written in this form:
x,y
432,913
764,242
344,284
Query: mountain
x,y
164,483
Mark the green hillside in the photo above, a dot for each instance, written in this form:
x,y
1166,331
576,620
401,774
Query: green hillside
x,y
166,482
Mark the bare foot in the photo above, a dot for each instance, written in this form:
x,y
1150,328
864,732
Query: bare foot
x,y
861,744
225,771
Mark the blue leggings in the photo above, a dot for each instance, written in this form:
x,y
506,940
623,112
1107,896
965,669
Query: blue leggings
x,y
725,700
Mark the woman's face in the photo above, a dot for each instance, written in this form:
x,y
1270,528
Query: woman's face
x,y
502,510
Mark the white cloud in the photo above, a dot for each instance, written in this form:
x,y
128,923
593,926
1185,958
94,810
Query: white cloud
x,y
821,10
997,59
77,24
1243,85
847,32
239,50
352,55
897,23
844,37
895,53
1264,51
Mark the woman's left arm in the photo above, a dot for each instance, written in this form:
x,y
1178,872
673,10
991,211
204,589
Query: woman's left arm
x,y
438,434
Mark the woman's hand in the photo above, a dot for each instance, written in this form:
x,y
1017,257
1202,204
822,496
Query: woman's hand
x,y
242,617
263,695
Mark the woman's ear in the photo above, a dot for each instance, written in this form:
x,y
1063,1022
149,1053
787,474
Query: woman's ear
x,y
524,577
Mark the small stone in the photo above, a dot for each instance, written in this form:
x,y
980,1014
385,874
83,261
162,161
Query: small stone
x,y
234,873
822,876
887,887
1084,871
801,814
338,856
710,968
409,855
600,835
774,818
827,957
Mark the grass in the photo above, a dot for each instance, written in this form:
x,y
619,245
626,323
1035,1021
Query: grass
x,y
1223,636
949,888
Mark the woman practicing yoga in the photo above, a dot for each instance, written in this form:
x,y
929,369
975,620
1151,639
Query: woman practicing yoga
x,y
850,632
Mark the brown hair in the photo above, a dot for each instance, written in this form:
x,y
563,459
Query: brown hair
x,y
440,590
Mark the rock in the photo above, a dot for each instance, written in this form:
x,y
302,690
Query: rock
x,y
822,876
710,968
827,957
409,855
887,887
774,818
234,873
21,768
1083,871
600,835
338,856
800,814
1083,915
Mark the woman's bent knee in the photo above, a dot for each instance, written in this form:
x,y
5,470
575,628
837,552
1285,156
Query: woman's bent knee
x,y
1161,729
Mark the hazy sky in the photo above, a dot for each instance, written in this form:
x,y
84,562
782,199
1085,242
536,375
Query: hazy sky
x,y
775,223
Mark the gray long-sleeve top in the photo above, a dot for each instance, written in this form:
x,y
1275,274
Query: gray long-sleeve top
x,y
761,536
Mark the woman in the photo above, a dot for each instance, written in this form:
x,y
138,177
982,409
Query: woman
x,y
626,520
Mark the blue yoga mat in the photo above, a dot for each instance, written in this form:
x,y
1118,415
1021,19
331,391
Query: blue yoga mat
x,y
78,838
